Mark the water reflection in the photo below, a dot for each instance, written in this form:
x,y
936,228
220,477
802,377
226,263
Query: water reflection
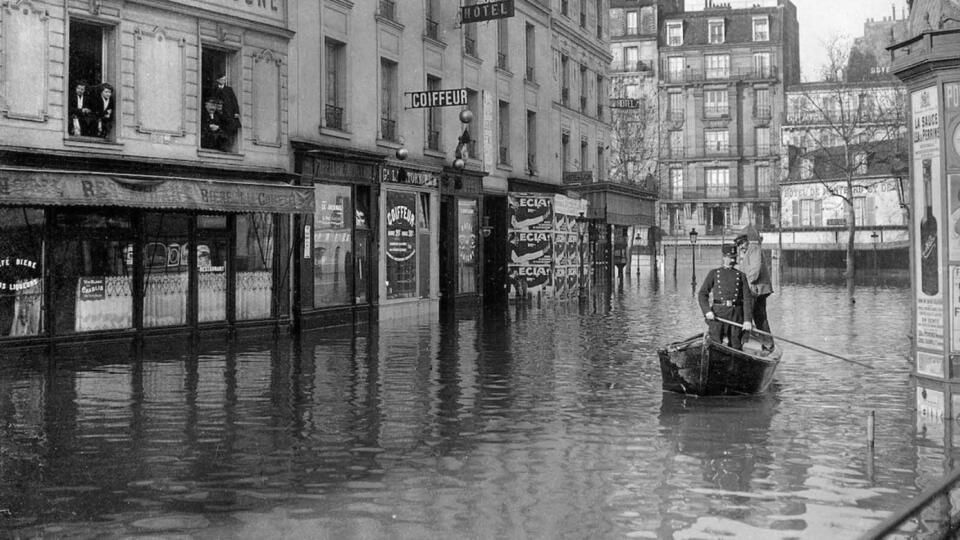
x,y
527,422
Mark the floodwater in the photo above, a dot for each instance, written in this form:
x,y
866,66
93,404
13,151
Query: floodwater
x,y
534,422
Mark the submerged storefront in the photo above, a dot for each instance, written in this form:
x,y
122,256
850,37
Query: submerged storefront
x,y
86,254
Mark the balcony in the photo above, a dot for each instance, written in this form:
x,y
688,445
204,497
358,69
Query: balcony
x,y
388,129
639,65
388,9
762,112
565,96
718,192
504,156
583,104
433,139
432,29
529,74
836,116
502,61
716,111
717,74
675,116
333,117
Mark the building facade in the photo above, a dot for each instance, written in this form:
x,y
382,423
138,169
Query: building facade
x,y
722,76
137,195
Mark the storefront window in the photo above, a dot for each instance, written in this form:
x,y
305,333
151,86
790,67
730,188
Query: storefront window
x,y
21,284
332,246
254,265
91,268
401,238
165,276
423,241
212,241
467,245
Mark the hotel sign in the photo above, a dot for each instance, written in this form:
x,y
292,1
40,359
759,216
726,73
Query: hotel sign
x,y
485,12
624,103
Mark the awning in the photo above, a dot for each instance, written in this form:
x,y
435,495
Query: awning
x,y
72,188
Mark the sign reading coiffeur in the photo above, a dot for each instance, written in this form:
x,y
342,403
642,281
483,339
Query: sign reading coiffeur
x,y
436,98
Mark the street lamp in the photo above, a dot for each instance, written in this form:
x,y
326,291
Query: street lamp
x,y
693,255
581,225
876,238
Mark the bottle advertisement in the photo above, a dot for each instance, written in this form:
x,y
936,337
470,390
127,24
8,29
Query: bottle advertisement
x,y
928,192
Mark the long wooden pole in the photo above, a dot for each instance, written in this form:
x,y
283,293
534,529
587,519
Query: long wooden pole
x,y
795,343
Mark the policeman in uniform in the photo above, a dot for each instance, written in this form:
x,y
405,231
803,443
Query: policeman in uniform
x,y
731,299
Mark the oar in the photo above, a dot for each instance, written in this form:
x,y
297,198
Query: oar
x,y
795,343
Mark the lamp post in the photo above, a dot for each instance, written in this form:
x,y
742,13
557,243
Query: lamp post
x,y
876,238
693,255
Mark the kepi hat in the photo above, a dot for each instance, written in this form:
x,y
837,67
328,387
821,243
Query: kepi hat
x,y
729,250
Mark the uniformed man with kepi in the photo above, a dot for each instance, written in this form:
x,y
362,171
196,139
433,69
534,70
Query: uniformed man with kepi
x,y
731,298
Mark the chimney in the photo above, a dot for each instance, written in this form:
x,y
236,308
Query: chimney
x,y
894,8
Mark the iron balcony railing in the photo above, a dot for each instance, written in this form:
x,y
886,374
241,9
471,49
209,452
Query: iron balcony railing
x,y
717,74
333,117
502,60
388,9
583,104
565,96
432,29
639,65
504,155
529,75
762,111
388,129
600,111
720,150
433,139
834,116
675,116
719,192
716,111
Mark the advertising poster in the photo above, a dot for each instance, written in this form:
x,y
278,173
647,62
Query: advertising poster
x,y
530,211
953,225
560,249
927,190
530,247
560,282
530,279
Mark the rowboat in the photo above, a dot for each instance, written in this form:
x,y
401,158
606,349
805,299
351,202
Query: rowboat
x,y
700,366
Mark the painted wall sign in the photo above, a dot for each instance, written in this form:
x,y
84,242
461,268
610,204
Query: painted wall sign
x,y
487,11
402,175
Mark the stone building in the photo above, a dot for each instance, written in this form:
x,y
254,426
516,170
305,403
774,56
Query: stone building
x,y
136,195
722,76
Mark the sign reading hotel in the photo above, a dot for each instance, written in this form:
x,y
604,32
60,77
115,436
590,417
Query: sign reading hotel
x,y
928,222
486,12
436,98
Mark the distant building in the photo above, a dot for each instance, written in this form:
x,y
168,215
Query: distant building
x,y
722,74
869,59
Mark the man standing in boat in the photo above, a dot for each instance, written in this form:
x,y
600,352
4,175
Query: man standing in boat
x,y
731,299
751,262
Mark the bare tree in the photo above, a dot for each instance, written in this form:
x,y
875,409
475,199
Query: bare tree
x,y
633,134
851,131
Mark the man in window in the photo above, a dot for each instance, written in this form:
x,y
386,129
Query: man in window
x,y
82,120
212,133
103,110
230,108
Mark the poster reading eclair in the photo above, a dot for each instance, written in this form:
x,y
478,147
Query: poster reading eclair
x,y
530,211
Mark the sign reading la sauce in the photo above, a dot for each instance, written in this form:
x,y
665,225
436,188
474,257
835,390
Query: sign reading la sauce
x,y
18,273
401,231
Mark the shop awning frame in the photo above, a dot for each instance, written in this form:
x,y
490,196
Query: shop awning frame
x,y
46,187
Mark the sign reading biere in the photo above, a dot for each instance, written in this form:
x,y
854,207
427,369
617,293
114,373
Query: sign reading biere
x,y
485,12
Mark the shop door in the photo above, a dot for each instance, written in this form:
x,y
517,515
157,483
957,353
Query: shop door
x,y
448,250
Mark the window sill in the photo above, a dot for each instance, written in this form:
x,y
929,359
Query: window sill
x,y
395,145
333,132
434,152
93,143
504,167
214,154
503,71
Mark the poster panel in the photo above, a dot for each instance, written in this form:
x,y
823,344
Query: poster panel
x,y
529,280
531,211
927,192
530,247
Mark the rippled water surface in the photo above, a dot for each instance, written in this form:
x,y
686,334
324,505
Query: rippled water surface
x,y
530,423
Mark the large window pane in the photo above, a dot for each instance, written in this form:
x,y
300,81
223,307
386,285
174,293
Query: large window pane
x,y
91,260
332,246
401,237
467,243
165,269
254,265
21,272
212,241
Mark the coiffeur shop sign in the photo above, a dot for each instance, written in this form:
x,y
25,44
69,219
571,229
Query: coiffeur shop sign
x,y
17,274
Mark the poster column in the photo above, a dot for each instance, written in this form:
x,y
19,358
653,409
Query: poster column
x,y
530,243
928,222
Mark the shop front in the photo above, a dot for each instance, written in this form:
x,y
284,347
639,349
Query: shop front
x,y
409,204
86,254
339,260
461,230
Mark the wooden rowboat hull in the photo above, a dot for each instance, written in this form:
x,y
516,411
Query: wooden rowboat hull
x,y
700,366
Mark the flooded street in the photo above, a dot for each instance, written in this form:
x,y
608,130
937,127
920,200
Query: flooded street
x,y
530,423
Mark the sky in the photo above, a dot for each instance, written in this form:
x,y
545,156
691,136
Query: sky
x,y
821,19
